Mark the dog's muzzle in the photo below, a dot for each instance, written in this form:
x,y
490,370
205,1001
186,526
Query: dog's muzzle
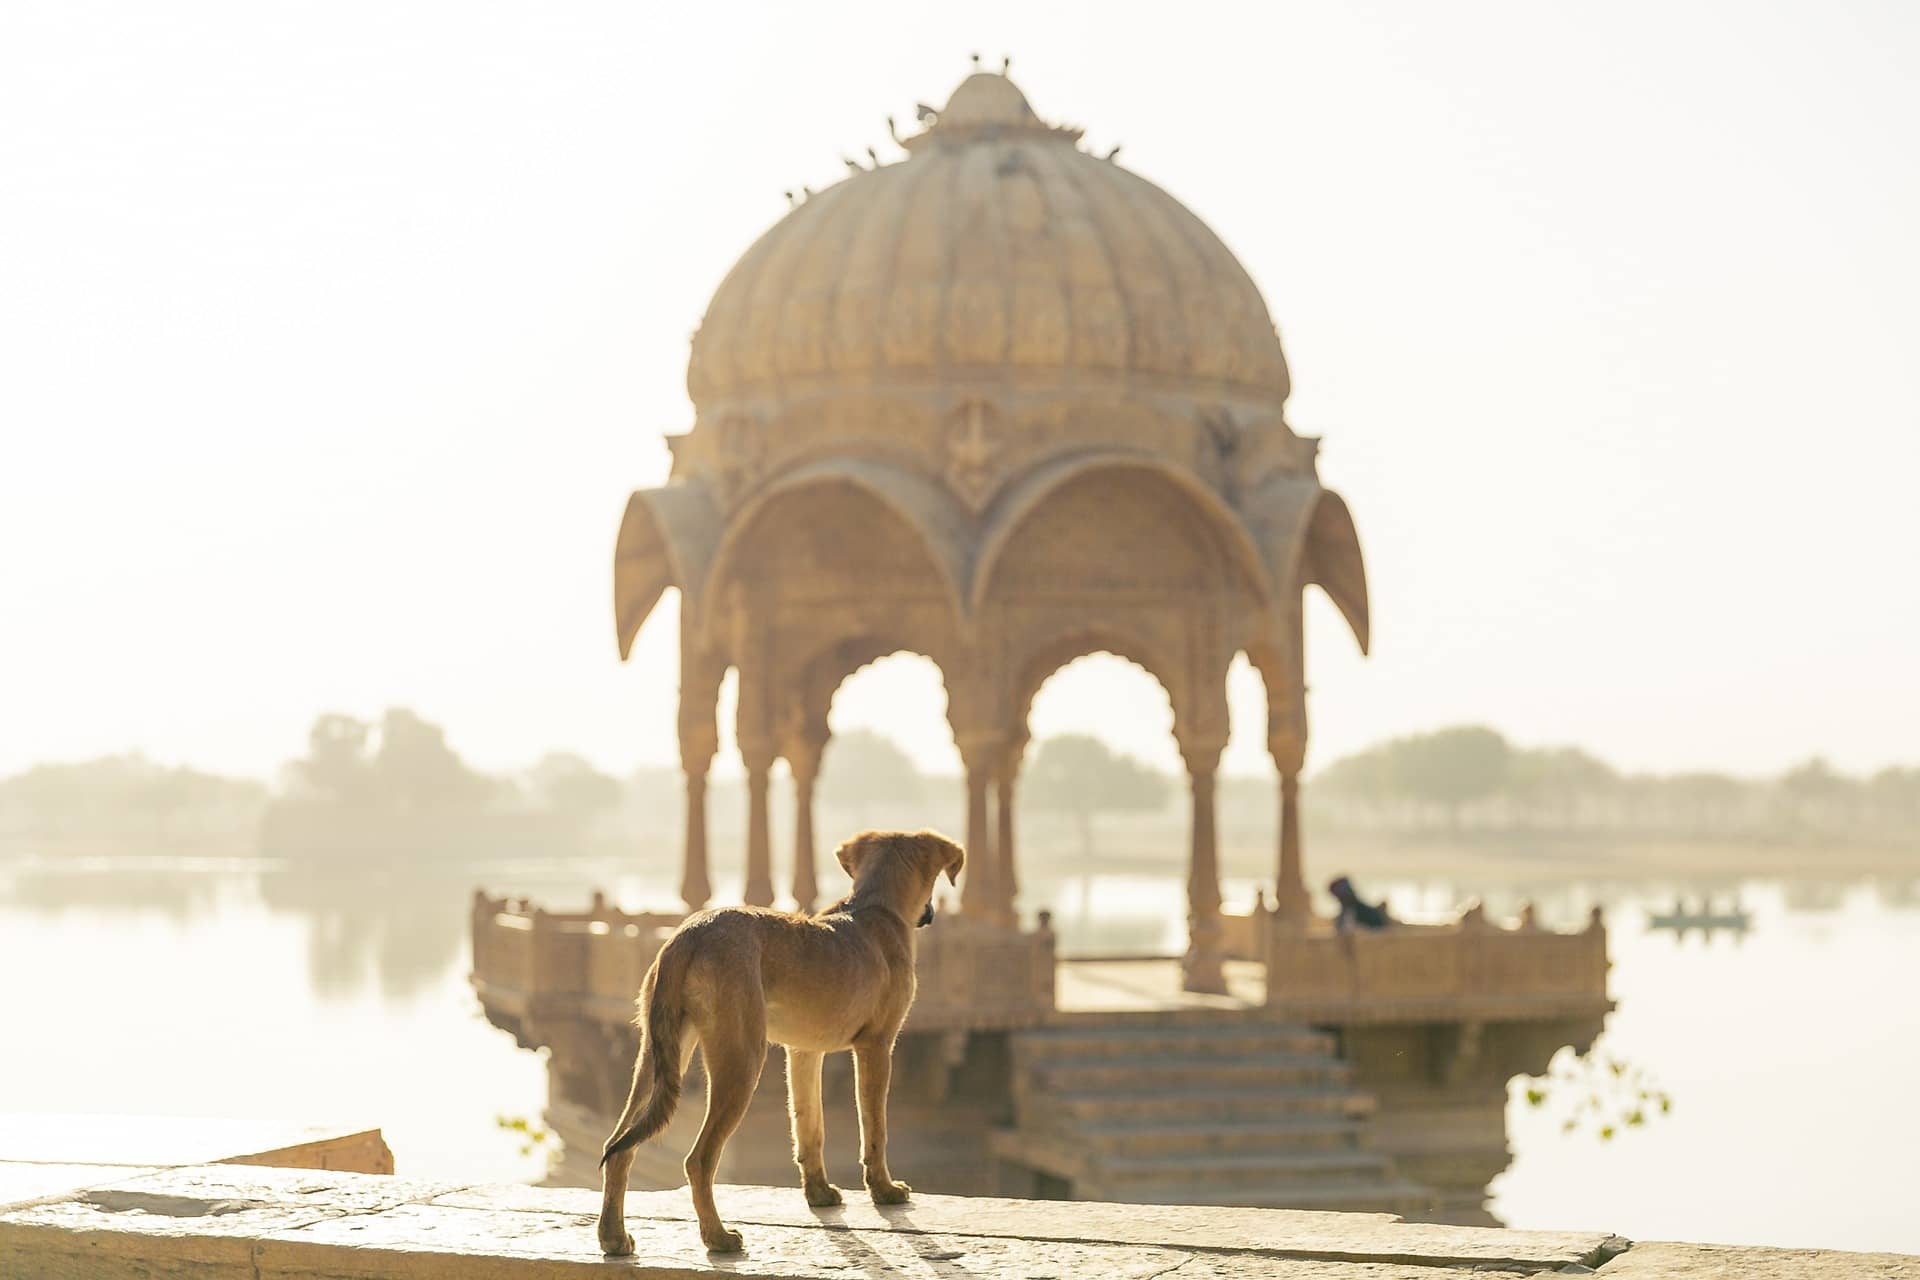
x,y
926,917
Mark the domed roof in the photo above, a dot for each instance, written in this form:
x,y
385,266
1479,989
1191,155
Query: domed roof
x,y
997,245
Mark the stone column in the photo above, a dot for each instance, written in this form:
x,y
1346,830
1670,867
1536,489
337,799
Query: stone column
x,y
757,731
980,896
759,888
696,886
804,759
1203,969
1009,881
1291,903
1287,741
700,676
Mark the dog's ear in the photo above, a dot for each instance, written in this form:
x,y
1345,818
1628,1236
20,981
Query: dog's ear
x,y
956,862
852,852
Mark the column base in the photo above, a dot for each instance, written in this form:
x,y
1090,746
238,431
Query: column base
x,y
1292,904
1203,972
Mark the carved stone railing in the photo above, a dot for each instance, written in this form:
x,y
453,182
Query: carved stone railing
x,y
1469,969
530,964
975,976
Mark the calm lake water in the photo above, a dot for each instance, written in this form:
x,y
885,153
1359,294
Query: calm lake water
x,y
247,989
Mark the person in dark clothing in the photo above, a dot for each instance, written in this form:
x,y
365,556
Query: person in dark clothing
x,y
1355,914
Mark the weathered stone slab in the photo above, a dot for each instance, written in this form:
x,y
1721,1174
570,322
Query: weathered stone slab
x,y
315,1191
158,1141
1296,1233
673,1248
1700,1261
24,1183
262,1235
237,1223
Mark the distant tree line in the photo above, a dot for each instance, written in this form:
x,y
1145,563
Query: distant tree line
x,y
117,802
1471,779
394,786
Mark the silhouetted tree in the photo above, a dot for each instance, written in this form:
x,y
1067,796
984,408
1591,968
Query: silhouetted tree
x,y
403,764
417,770
1551,782
568,784
1451,767
336,764
128,800
1079,774
861,768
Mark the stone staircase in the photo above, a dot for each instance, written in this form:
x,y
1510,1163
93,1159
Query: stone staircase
x,y
1198,1108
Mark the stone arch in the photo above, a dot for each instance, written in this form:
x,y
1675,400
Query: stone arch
x,y
667,539
1307,537
929,512
1028,495
812,684
1045,660
1333,561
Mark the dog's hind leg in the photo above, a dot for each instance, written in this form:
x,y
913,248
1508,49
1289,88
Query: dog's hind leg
x,y
809,1125
872,1070
734,1055
614,1239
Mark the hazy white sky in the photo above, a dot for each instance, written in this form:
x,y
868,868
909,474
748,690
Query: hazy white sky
x,y
332,337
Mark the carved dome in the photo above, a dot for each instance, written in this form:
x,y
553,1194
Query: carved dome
x,y
997,250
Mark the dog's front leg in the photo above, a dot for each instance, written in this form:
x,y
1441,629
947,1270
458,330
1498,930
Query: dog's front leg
x,y
872,1068
809,1126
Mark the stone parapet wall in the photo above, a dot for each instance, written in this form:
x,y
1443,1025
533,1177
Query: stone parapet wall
x,y
1472,969
232,1223
530,965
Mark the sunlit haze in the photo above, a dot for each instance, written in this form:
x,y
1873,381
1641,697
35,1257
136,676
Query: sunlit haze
x,y
333,337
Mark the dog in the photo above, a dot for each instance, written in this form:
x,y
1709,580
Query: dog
x,y
732,979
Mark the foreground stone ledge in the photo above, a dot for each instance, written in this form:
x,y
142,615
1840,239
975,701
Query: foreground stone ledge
x,y
249,1223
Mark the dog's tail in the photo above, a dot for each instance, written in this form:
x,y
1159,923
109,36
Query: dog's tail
x,y
656,1074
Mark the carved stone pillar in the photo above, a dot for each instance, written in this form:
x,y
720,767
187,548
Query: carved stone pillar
x,y
981,896
803,758
1291,903
696,886
756,729
759,887
1009,881
700,676
1287,740
1203,969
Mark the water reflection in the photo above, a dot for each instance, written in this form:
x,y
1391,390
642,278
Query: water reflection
x,y
343,985
397,929
103,884
1898,894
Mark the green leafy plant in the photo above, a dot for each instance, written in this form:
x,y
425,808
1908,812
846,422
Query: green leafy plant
x,y
532,1136
1597,1093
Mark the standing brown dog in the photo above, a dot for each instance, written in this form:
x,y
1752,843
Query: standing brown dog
x,y
730,980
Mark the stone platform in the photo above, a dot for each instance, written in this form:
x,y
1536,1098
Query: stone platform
x,y
35,1150
227,1222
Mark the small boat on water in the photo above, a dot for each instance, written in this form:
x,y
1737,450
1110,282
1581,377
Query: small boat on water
x,y
1734,918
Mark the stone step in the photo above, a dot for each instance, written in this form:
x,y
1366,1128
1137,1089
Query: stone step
x,y
1287,1134
1220,1106
1399,1197
1240,1169
1233,1039
1242,1016
1161,1073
